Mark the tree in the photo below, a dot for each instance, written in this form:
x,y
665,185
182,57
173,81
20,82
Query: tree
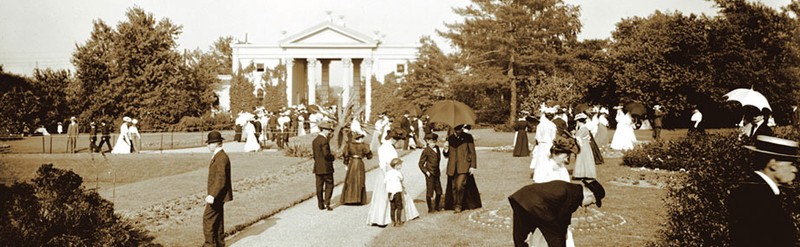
x,y
222,53
136,70
53,86
241,92
520,37
21,104
275,95
427,79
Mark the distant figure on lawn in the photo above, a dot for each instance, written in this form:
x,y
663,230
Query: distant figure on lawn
x,y
60,128
123,145
220,191
755,214
658,123
136,138
72,135
624,137
549,207
105,136
92,137
323,166
521,127
696,127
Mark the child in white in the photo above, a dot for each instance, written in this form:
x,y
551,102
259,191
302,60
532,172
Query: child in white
x,y
394,187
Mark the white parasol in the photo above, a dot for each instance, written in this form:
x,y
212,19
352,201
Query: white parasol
x,y
748,97
243,118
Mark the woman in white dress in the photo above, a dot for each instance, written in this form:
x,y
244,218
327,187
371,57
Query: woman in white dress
x,y
251,145
136,138
559,159
301,121
379,208
624,137
123,145
545,134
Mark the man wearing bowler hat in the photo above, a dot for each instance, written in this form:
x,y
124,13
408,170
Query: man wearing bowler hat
x,y
323,166
220,191
549,207
755,215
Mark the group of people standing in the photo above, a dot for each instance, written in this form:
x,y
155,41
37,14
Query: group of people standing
x,y
390,203
278,128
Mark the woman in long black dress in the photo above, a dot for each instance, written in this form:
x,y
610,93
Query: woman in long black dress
x,y
521,128
354,191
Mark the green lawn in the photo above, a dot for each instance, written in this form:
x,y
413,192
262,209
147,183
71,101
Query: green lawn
x,y
150,141
498,176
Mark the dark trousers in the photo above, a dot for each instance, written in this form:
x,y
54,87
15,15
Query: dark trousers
x,y
324,183
213,225
72,141
93,144
396,206
433,185
458,190
525,224
405,143
107,141
657,133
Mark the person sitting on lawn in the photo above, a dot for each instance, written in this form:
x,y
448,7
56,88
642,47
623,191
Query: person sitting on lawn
x,y
394,188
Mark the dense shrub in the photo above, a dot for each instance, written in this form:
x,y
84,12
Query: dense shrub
x,y
55,210
300,146
205,123
715,164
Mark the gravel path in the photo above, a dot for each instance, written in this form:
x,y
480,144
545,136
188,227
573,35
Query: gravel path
x,y
306,225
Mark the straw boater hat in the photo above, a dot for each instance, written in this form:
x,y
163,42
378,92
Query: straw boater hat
x,y
126,119
581,116
779,148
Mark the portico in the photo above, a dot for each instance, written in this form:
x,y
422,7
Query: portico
x,y
310,55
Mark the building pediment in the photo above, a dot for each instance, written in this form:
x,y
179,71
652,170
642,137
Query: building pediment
x,y
329,34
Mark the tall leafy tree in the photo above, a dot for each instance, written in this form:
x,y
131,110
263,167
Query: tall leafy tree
x,y
521,37
136,70
50,85
427,79
241,92
222,53
21,104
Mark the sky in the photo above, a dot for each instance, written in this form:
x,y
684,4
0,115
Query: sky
x,y
44,33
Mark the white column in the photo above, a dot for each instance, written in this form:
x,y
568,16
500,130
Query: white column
x,y
289,79
318,72
366,68
311,80
347,80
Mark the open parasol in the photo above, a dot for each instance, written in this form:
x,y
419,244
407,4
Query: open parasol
x,y
635,109
243,118
748,97
451,112
580,108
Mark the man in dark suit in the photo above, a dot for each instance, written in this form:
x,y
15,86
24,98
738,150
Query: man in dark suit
x,y
405,125
461,163
755,214
220,191
323,166
757,125
549,207
429,165
658,114
92,137
105,137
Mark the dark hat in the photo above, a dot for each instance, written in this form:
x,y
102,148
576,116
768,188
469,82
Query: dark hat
x,y
564,145
325,125
214,136
597,190
395,133
431,136
780,148
357,135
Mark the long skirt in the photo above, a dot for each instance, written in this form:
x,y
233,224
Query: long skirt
x,y
354,190
379,208
521,144
598,155
122,146
584,163
472,197
601,137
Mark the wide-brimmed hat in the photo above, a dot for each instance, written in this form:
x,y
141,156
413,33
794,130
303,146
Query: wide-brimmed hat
x,y
581,116
778,147
603,110
325,125
214,136
395,133
657,107
72,118
134,121
126,119
597,190
564,145
357,135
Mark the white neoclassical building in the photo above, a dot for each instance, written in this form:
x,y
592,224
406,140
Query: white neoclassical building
x,y
326,63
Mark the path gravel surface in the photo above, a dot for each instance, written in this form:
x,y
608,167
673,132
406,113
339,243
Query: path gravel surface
x,y
306,225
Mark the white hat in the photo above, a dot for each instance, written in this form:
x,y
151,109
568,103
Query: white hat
x,y
604,110
126,119
657,107
581,116
134,121
550,110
